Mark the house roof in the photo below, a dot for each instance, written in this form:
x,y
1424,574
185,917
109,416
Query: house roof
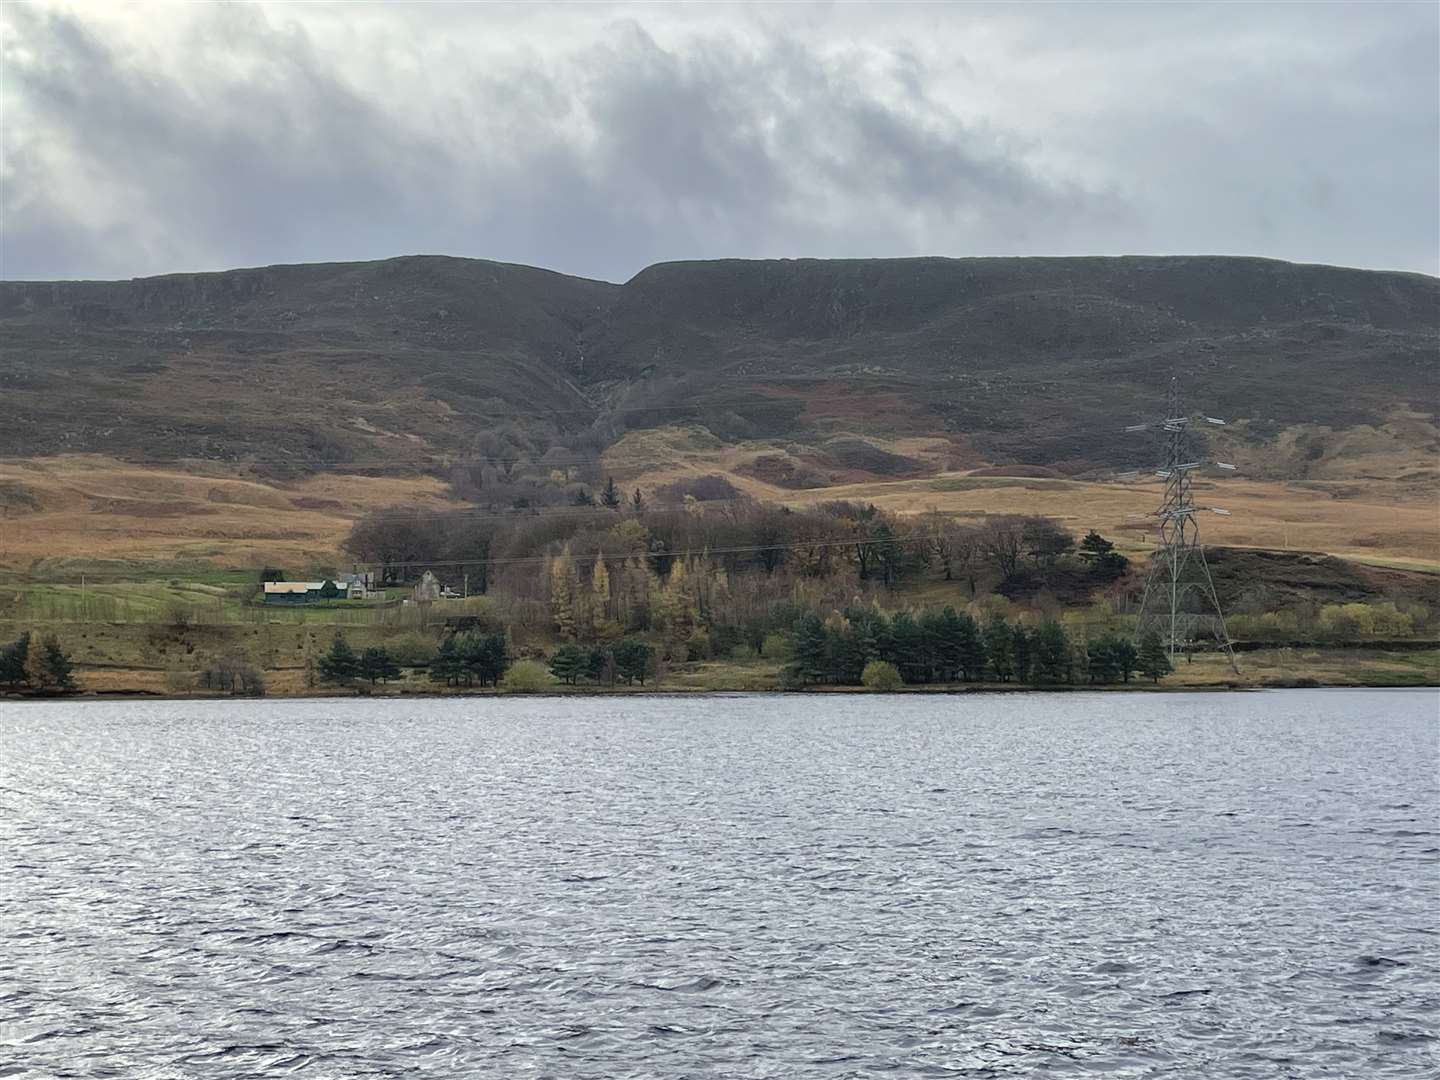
x,y
293,586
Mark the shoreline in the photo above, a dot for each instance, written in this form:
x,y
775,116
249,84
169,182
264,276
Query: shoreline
x,y
948,690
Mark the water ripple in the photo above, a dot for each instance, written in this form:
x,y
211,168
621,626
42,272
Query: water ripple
x,y
1009,886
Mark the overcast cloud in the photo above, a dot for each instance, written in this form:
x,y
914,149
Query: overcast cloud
x,y
598,139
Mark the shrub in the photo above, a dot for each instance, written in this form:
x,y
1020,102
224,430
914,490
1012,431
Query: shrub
x,y
776,647
881,675
526,677
411,650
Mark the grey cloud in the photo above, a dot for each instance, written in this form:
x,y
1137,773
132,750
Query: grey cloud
x,y
251,144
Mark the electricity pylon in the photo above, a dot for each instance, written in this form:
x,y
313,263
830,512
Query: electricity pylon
x,y
1179,602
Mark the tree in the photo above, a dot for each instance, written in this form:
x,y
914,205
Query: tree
x,y
971,647
637,502
582,498
600,586
233,675
1052,660
340,665
1002,543
12,661
1112,659
447,665
600,664
569,663
484,657
1106,564
881,675
1045,541
46,667
911,649
36,669
1000,647
271,573
610,496
633,659
1153,659
808,653
1022,647
565,594
377,664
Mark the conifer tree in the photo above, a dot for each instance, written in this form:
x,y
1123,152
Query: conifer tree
x,y
12,661
1000,647
971,647
1052,660
610,495
632,660
376,664
340,665
1022,641
447,665
808,652
1153,660
569,663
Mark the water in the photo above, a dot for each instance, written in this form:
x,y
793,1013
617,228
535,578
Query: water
x,y
1028,885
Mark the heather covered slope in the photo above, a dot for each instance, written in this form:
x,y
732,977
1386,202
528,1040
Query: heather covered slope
x,y
1039,360
1011,361
383,362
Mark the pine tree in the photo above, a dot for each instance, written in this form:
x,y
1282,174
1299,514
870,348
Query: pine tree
x,y
600,664
808,649
340,665
1052,661
569,663
377,664
632,660
12,661
1153,660
610,496
447,666
1106,563
971,648
1000,647
47,667
484,657
1022,643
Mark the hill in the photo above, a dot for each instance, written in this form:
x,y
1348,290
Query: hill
x,y
792,377
1029,361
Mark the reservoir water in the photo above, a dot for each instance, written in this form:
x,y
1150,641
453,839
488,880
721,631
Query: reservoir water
x,y
1159,885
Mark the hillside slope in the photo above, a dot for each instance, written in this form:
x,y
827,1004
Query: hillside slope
x,y
1011,361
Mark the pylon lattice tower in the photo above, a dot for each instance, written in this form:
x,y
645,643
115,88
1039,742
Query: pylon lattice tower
x,y
1179,602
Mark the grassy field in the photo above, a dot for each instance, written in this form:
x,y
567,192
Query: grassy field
x,y
67,512
66,516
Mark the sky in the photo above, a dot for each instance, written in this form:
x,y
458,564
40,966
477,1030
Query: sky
x,y
596,139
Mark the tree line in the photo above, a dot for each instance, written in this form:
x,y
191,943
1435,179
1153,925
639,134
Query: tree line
x,y
36,665
854,541
944,646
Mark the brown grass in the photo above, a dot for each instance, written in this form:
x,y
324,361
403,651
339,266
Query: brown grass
x,y
81,506
92,507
